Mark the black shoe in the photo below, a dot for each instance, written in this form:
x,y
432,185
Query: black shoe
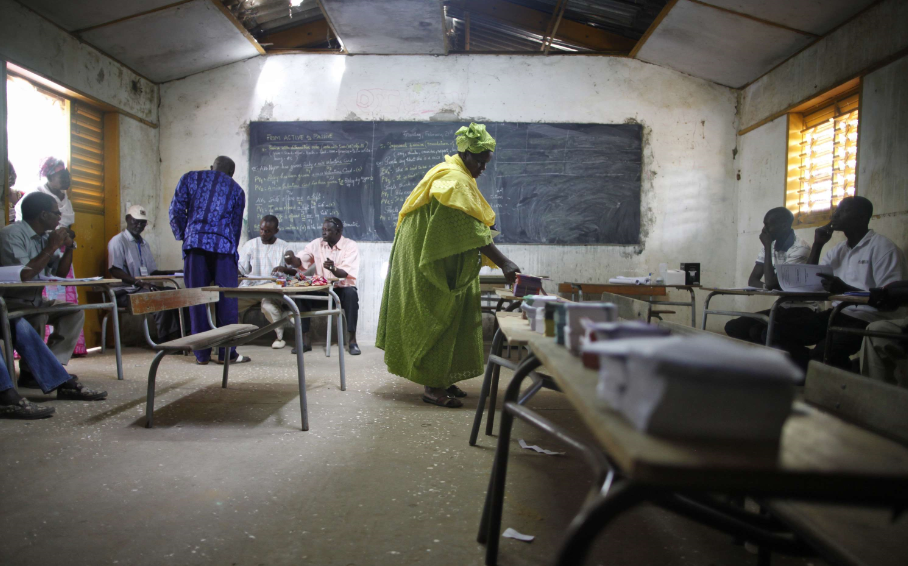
x,y
27,380
306,348
25,411
354,349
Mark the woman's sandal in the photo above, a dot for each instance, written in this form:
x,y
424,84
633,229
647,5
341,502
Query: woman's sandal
x,y
455,391
447,402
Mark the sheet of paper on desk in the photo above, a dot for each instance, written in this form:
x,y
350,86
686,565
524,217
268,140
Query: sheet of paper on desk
x,y
74,279
622,280
11,274
802,278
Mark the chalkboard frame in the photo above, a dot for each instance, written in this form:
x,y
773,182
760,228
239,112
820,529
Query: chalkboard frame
x,y
588,220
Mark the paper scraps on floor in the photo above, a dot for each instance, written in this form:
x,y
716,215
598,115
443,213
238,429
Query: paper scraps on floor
x,y
511,533
523,444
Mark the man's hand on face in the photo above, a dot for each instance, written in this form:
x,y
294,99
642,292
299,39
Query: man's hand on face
x,y
823,234
765,238
59,237
833,284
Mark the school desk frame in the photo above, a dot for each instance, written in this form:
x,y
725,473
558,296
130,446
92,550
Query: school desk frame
x,y
781,298
101,285
681,477
288,296
577,293
850,301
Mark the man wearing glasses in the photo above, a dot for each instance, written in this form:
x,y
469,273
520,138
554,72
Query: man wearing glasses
x,y
41,247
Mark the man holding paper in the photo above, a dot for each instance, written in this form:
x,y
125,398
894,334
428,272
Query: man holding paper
x,y
778,246
33,248
863,261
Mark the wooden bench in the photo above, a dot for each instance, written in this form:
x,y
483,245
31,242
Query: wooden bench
x,y
225,336
845,535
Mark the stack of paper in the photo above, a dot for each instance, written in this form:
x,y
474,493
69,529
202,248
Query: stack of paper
x,y
601,331
533,308
621,280
575,314
11,274
802,278
697,387
527,285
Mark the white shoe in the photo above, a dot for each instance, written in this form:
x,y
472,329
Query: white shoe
x,y
278,344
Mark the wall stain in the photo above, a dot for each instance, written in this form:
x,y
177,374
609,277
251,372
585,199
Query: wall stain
x,y
100,77
267,112
647,193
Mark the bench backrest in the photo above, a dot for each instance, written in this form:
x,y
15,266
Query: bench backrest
x,y
628,308
871,404
145,303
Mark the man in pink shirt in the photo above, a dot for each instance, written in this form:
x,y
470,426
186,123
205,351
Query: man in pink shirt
x,y
331,256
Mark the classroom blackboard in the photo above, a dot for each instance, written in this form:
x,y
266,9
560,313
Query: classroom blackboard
x,y
548,183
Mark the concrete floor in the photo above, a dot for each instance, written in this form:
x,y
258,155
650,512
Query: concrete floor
x,y
227,477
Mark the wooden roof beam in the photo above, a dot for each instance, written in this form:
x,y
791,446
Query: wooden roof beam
x,y
312,33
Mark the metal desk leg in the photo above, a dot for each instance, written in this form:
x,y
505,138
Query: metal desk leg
x,y
328,334
116,328
490,525
827,348
300,370
593,518
706,308
493,395
772,319
8,342
693,308
486,383
340,337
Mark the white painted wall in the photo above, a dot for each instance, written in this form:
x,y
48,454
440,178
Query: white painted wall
x,y
140,173
882,169
30,41
689,204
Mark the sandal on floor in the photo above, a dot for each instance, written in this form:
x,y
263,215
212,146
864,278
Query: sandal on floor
x,y
241,359
80,394
25,411
455,391
447,402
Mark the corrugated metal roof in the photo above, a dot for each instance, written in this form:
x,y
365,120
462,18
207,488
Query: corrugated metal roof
x,y
628,18
269,16
488,34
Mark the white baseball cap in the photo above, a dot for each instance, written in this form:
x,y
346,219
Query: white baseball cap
x,y
137,211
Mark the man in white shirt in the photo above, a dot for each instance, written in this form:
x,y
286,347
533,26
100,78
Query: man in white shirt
x,y
332,256
778,245
863,261
258,258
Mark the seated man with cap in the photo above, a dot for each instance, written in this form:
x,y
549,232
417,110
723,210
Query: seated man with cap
x,y
130,258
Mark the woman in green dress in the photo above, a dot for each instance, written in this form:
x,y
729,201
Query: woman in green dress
x,y
430,324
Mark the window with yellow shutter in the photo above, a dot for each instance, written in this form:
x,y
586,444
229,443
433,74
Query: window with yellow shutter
x,y
87,151
822,158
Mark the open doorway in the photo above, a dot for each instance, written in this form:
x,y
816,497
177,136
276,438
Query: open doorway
x,y
37,127
44,121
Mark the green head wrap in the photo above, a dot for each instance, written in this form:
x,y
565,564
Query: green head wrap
x,y
474,139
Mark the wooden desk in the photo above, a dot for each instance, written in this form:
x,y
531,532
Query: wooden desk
x,y
820,458
287,296
635,291
102,285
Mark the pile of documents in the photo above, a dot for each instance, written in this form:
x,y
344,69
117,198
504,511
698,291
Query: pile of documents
x,y
533,308
527,285
601,331
697,387
622,280
578,314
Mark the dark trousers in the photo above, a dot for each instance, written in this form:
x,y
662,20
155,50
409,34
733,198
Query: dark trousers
x,y
167,322
754,330
200,269
349,299
797,333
